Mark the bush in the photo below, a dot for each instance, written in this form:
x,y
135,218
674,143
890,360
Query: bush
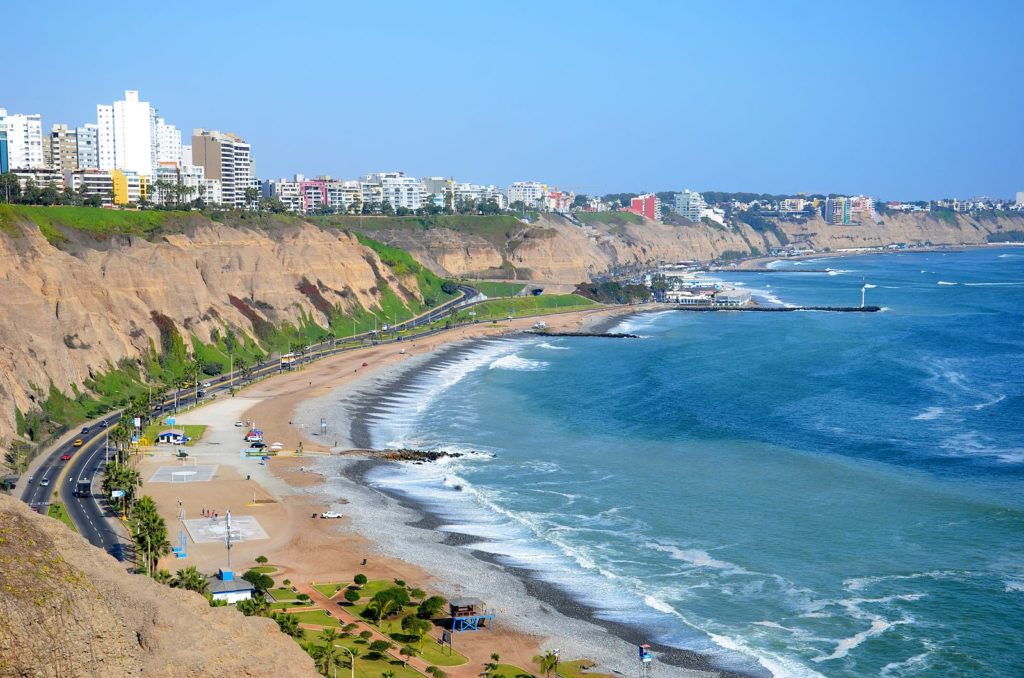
x,y
212,369
366,635
380,646
400,582
261,581
303,597
360,579
352,596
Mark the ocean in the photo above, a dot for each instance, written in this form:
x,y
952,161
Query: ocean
x,y
795,494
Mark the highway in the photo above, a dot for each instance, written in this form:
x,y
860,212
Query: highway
x,y
90,514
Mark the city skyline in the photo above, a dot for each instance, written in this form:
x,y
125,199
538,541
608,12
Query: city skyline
x,y
581,99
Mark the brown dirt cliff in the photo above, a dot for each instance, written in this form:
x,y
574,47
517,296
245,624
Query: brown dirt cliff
x,y
67,609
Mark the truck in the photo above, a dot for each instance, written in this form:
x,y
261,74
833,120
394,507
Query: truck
x,y
83,489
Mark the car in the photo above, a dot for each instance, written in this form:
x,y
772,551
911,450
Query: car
x,y
78,442
239,424
366,364
201,393
257,444
85,429
45,482
206,384
65,457
330,514
103,424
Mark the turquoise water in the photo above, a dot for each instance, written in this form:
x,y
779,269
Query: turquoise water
x,y
798,493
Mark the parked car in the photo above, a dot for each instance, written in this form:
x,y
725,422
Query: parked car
x,y
78,442
330,514
239,424
257,444
65,457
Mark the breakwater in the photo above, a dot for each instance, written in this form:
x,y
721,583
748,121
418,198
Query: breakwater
x,y
606,335
782,309
767,270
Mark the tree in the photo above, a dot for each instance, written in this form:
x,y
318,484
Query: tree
x,y
386,209
430,607
408,651
10,187
262,582
414,626
252,194
289,624
417,594
149,531
352,596
325,657
257,606
329,635
381,606
387,674
548,662
190,579
360,580
163,577
379,647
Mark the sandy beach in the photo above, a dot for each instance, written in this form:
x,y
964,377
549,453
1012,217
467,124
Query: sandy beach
x,y
274,503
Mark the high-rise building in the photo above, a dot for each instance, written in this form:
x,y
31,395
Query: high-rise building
x,y
836,210
87,137
168,140
226,158
135,138
689,204
105,136
24,140
1020,199
63,143
646,205
530,193
4,164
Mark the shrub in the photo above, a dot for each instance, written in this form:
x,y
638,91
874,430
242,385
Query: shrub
x,y
352,596
360,579
430,607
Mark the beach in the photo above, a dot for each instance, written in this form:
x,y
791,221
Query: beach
x,y
275,503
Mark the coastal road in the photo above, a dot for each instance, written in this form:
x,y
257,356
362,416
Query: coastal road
x,y
89,514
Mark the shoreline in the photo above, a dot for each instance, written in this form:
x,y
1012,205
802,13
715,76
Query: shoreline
x,y
365,397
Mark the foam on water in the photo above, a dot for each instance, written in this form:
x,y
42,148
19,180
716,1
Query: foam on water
x,y
552,347
515,362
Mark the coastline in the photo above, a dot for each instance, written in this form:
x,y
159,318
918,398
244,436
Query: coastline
x,y
401,527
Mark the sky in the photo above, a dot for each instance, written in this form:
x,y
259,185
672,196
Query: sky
x,y
900,100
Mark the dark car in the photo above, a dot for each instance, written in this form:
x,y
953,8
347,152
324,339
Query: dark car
x,y
257,445
85,429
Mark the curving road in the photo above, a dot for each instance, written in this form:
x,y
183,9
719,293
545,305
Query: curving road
x,y
92,515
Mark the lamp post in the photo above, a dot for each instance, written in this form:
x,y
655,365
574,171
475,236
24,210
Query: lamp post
x,y
353,660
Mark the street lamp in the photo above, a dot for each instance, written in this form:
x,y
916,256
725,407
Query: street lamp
x,y
352,663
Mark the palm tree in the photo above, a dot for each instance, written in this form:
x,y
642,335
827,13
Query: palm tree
x,y
289,624
190,579
325,656
257,606
492,666
408,651
149,532
328,635
548,662
387,674
381,606
163,577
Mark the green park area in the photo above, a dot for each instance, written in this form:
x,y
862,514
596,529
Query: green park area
x,y
192,431
368,664
329,590
521,307
58,511
496,289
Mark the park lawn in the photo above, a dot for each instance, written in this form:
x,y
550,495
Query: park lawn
x,y
282,594
193,431
578,669
330,590
521,307
374,586
510,671
58,511
610,218
365,668
316,617
431,650
496,289
291,605
264,569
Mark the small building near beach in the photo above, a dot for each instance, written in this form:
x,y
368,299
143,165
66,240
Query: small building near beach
x,y
174,436
224,586
732,298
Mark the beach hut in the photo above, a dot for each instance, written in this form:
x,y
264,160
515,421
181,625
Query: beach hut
x,y
173,436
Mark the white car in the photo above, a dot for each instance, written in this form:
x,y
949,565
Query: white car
x,y
206,384
239,424
44,482
330,514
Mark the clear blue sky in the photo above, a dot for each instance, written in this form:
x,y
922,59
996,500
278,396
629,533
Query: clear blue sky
x,y
896,99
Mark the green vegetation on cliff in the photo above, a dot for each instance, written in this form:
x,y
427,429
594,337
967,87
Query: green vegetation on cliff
x,y
610,218
496,229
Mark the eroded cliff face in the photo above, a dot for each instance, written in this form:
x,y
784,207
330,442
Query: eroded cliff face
x,y
71,311
557,249
68,609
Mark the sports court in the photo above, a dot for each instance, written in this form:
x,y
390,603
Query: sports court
x,y
209,530
184,474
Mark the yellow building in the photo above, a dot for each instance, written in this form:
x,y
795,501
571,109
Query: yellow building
x,y
129,188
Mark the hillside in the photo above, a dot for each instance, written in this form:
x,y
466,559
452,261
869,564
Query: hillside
x,y
555,249
93,299
68,609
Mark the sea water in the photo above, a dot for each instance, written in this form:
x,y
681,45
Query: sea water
x,y
797,493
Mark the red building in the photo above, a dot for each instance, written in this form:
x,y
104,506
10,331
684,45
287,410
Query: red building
x,y
646,206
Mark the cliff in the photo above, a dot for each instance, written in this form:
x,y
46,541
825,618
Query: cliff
x,y
564,250
68,609
77,302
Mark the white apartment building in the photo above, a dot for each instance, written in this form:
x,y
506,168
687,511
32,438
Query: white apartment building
x,y
1020,199
91,182
792,205
168,143
135,135
88,146
531,193
105,136
478,193
690,205
227,158
396,189
344,196
289,192
24,140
